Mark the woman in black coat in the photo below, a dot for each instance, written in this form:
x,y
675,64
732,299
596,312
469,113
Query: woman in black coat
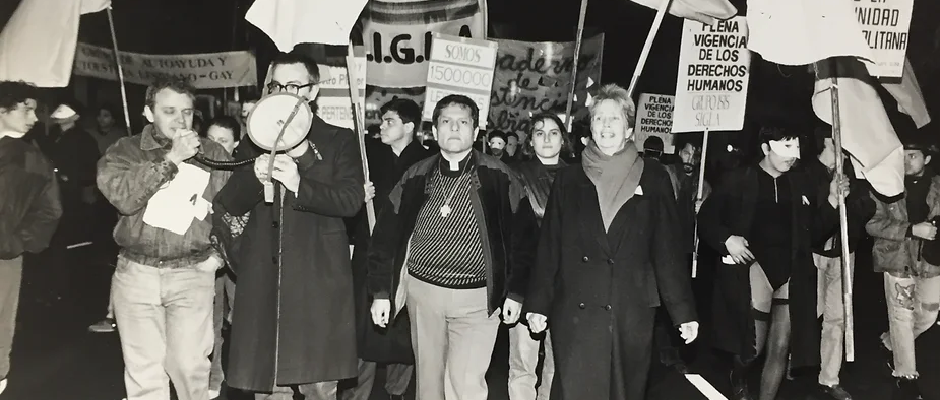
x,y
606,256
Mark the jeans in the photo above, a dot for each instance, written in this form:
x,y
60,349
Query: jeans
x,y
11,275
397,379
165,319
829,300
523,361
912,309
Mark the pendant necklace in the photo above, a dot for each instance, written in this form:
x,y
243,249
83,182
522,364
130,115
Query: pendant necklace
x,y
445,209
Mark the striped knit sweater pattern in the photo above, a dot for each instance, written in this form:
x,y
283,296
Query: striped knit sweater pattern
x,y
448,251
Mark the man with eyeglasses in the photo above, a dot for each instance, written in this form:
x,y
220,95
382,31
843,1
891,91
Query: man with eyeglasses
x,y
293,323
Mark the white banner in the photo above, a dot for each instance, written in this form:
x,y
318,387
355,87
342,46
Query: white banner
x,y
885,24
460,66
654,118
397,35
203,71
334,103
714,65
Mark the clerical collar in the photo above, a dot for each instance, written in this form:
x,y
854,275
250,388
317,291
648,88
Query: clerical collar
x,y
447,170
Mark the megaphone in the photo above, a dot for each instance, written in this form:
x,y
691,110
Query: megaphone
x,y
279,122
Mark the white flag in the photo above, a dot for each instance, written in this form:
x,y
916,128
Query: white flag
x,y
291,22
38,43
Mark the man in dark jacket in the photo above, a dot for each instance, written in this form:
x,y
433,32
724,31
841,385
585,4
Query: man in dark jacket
x,y
294,318
457,241
388,159
828,258
29,203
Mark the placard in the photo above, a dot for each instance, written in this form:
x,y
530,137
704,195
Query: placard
x,y
714,66
460,66
654,118
885,24
334,103
203,71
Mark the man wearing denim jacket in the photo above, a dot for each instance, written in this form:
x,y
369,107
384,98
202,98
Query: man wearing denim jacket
x,y
904,236
163,287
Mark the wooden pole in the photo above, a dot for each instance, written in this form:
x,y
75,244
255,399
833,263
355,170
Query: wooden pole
x,y
644,55
847,303
360,125
120,71
698,197
574,68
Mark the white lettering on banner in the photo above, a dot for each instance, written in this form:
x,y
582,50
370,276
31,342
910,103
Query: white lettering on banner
x,y
465,67
885,24
534,77
714,65
398,40
203,71
654,118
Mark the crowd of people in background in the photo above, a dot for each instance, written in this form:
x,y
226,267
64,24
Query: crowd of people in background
x,y
579,242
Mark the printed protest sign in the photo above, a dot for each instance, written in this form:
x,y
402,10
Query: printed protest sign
x,y
460,66
654,118
885,24
714,65
534,77
203,71
334,103
397,35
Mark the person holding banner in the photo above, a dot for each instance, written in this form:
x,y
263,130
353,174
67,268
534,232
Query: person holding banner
x,y
546,141
764,219
455,244
606,260
388,160
293,326
828,258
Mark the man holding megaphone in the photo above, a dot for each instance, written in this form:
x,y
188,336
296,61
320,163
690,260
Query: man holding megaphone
x,y
293,319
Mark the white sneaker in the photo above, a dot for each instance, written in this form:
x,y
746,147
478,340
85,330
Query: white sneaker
x,y
3,385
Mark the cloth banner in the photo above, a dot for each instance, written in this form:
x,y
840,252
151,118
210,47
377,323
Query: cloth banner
x,y
290,22
37,45
397,35
203,71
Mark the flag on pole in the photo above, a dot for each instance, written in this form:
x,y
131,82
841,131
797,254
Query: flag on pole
x,y
38,43
909,96
290,22
704,11
801,32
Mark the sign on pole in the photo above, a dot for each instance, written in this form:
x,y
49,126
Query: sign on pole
x,y
334,104
714,65
460,65
885,24
654,118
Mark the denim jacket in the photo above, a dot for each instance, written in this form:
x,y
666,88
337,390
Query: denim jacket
x,y
129,174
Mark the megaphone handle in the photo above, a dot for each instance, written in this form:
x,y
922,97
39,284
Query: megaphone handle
x,y
280,135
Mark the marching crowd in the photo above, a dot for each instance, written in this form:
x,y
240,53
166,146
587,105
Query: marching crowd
x,y
588,259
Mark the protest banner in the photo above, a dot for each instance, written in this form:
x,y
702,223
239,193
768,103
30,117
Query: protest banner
x,y
714,66
397,35
334,104
533,77
203,71
460,66
654,118
885,24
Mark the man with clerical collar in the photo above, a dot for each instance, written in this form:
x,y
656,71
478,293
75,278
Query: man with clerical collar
x,y
163,286
455,244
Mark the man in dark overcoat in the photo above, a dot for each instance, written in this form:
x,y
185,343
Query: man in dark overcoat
x,y
293,322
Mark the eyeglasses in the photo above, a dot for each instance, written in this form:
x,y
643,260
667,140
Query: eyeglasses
x,y
276,87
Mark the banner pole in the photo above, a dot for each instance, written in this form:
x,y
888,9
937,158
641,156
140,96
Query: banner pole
x,y
648,45
847,302
120,71
698,197
359,124
574,67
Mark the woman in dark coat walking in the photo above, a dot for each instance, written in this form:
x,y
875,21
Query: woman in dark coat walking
x,y
606,256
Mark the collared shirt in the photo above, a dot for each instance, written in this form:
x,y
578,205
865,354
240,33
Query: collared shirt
x,y
129,174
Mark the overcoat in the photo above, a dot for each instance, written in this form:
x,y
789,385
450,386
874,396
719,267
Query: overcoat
x,y
293,319
599,289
